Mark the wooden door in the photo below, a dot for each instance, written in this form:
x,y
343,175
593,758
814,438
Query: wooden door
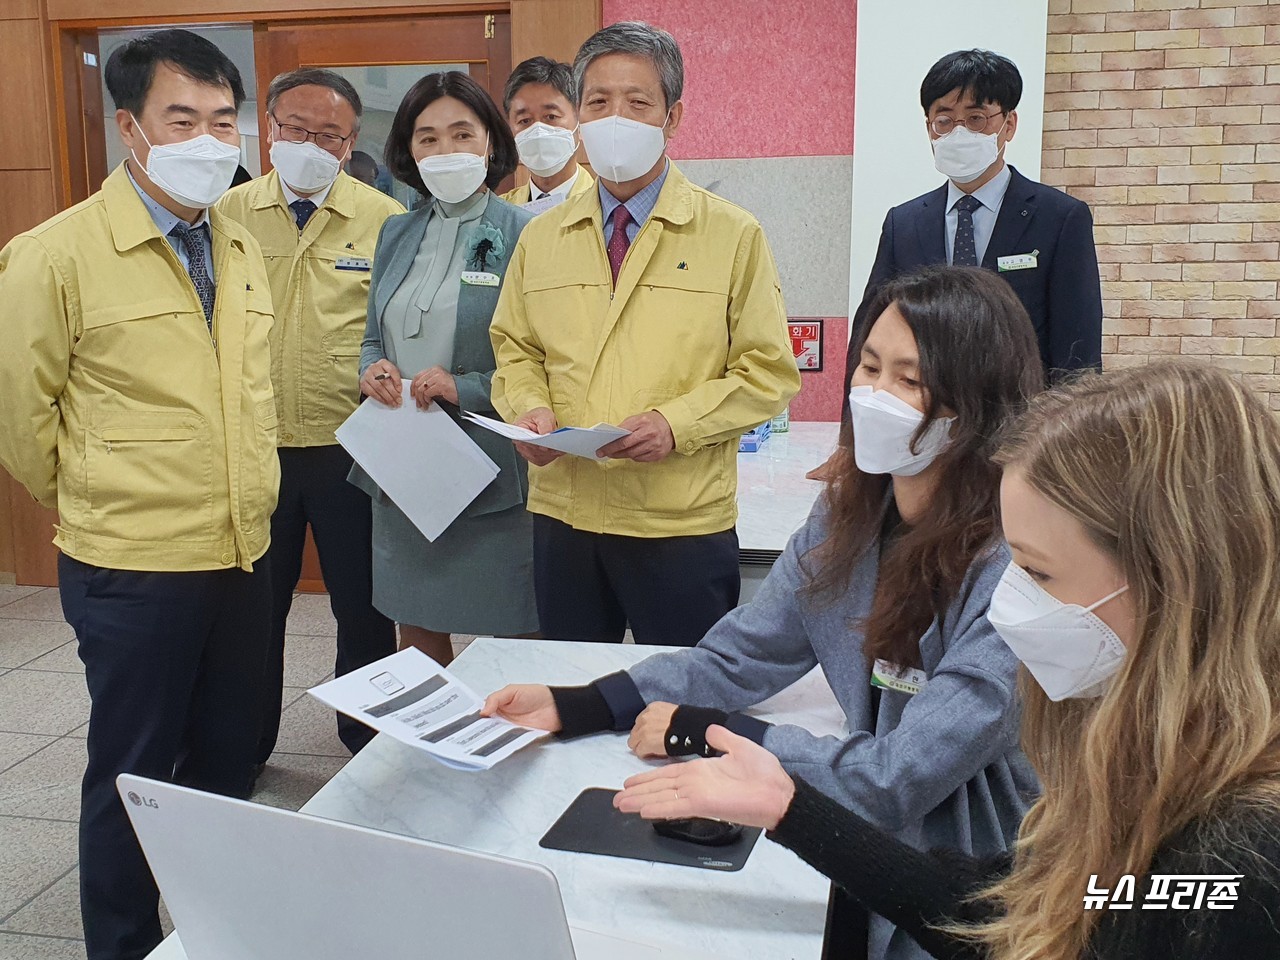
x,y
382,57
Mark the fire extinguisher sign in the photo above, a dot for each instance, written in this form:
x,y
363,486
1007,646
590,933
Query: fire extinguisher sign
x,y
806,342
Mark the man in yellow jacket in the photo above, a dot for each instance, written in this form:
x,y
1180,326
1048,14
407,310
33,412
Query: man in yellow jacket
x,y
654,305
542,110
318,228
137,400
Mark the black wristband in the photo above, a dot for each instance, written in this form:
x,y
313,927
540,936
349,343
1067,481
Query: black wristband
x,y
686,735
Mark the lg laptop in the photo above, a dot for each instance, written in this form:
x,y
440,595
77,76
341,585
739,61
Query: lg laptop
x,y
248,882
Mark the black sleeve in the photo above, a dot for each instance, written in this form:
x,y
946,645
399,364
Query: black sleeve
x,y
915,891
1074,299
582,710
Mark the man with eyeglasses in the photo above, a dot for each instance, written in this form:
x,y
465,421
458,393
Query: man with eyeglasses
x,y
988,214
318,227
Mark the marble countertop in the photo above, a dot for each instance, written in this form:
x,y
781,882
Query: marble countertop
x,y
773,908
773,496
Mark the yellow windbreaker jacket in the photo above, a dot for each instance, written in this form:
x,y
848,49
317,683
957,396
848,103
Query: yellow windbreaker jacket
x,y
155,440
695,330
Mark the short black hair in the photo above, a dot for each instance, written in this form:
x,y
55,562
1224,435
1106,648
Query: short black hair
x,y
540,70
314,77
132,66
456,84
990,77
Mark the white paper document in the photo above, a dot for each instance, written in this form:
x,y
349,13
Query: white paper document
x,y
412,698
579,441
421,459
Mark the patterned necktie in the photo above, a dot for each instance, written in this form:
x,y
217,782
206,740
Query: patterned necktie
x,y
302,211
193,241
619,243
965,252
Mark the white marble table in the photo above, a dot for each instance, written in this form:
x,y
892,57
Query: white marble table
x,y
773,909
773,496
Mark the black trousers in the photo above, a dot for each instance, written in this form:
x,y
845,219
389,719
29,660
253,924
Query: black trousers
x,y
669,590
174,663
314,490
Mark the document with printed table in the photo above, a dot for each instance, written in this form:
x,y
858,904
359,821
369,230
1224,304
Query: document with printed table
x,y
421,459
579,441
415,700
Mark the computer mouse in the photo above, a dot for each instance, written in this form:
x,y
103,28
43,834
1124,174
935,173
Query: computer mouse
x,y
699,830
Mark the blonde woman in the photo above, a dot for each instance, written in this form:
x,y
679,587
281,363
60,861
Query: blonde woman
x,y
1143,514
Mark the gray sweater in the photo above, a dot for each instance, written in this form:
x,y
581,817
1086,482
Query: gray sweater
x,y
940,768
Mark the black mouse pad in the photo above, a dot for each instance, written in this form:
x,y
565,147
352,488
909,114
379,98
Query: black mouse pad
x,y
592,825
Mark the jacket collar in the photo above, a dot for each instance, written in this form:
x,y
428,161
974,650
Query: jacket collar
x,y
130,221
341,199
675,202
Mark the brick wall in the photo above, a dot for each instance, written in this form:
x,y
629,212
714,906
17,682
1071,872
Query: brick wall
x,y
1164,116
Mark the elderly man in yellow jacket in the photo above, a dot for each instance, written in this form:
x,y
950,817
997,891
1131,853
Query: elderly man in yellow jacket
x,y
318,228
137,400
654,305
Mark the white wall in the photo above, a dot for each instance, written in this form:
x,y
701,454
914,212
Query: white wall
x,y
898,40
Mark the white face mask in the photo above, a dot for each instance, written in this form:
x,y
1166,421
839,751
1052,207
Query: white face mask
x,y
195,173
883,427
452,177
304,167
545,149
963,156
620,149
1067,647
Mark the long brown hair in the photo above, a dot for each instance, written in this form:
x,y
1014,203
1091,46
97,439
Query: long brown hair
x,y
978,356
1174,470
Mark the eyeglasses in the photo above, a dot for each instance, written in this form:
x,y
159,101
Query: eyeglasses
x,y
325,141
974,122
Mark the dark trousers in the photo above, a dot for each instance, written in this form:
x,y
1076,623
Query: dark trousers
x,y
174,664
669,590
314,490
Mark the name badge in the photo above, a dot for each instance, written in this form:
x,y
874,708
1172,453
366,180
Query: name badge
x,y
889,676
479,278
360,264
1020,261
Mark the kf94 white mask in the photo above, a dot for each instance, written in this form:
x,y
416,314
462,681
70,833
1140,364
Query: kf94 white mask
x,y
452,177
304,166
195,173
963,155
1067,647
545,149
883,426
621,149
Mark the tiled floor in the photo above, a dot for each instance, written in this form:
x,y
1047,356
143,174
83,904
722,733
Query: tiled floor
x,y
44,713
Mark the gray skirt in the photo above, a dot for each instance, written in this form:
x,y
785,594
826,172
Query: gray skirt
x,y
477,577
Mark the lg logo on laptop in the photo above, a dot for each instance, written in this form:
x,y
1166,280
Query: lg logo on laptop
x,y
138,801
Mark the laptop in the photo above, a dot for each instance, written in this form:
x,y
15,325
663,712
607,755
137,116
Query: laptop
x,y
244,881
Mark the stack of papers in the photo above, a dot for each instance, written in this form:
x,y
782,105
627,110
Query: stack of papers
x,y
412,698
579,441
421,459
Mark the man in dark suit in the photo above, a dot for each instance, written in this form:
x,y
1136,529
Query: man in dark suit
x,y
1037,238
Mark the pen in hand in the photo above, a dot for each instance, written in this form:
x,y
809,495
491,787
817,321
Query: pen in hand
x,y
382,376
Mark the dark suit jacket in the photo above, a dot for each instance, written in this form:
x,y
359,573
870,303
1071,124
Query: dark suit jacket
x,y
473,364
1061,293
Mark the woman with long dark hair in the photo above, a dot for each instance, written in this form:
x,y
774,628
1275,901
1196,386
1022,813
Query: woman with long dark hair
x,y
886,587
